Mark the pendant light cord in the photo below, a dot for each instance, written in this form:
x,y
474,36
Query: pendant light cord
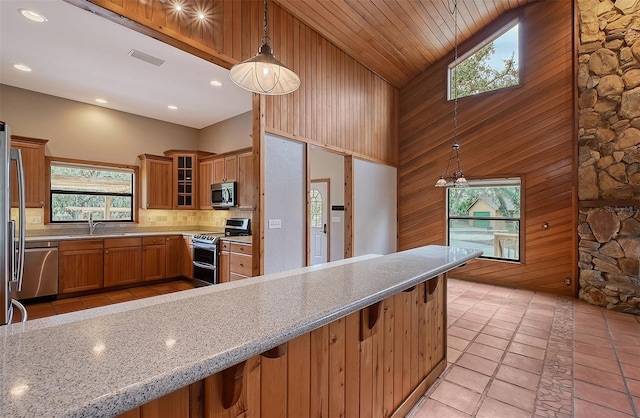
x,y
265,37
454,11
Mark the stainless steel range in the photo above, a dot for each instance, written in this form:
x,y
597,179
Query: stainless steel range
x,y
205,258
205,250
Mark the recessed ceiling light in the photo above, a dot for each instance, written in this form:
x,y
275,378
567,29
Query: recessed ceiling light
x,y
22,67
33,16
215,83
101,100
172,107
178,7
201,16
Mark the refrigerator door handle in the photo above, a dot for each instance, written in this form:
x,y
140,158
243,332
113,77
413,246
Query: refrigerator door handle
x,y
16,156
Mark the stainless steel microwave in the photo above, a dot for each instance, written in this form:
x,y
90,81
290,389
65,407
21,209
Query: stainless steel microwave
x,y
224,195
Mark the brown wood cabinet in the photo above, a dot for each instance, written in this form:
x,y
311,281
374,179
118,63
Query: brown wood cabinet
x,y
156,184
174,252
122,261
245,180
225,169
32,150
153,258
235,261
376,362
205,179
223,262
187,257
185,166
80,265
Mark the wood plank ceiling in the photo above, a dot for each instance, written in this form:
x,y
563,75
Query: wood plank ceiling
x,y
397,39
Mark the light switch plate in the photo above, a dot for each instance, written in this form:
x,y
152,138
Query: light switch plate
x,y
336,219
275,223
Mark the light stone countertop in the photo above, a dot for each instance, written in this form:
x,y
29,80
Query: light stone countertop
x,y
62,236
105,361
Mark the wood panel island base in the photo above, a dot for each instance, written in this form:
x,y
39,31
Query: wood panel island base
x,y
359,337
372,363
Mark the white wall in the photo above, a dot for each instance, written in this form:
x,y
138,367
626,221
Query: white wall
x,y
87,132
229,135
375,208
329,165
284,193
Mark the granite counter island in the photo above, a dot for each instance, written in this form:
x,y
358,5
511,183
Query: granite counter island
x,y
362,336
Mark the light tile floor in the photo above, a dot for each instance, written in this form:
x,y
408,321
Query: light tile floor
x,y
517,353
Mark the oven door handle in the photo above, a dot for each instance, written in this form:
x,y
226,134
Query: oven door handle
x,y
204,266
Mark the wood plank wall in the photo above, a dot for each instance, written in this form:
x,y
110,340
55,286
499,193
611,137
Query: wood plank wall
x,y
527,131
376,362
340,103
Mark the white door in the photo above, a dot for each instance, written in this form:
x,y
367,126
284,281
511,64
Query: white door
x,y
318,223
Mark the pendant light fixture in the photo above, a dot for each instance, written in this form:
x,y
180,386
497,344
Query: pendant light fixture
x,y
456,178
264,74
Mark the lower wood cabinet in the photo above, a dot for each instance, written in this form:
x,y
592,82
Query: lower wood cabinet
x,y
122,261
174,253
94,264
80,265
235,261
153,258
187,257
376,362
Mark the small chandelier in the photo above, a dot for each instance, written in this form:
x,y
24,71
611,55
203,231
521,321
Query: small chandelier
x,y
264,74
456,178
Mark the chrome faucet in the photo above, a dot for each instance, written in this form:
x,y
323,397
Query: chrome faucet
x,y
92,225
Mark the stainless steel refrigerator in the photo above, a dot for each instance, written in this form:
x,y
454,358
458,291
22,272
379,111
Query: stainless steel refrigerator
x,y
12,232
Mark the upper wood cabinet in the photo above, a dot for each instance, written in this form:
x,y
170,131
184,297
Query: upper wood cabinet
x,y
225,169
245,180
32,150
205,179
156,181
185,177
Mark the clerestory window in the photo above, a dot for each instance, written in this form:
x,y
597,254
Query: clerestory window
x,y
491,65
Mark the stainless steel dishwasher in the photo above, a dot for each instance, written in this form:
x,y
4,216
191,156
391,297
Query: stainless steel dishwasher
x,y
40,270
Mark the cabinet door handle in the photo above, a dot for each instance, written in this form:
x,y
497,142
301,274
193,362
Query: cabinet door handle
x,y
106,252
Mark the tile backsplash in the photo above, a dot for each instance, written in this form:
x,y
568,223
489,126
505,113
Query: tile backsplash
x,y
188,219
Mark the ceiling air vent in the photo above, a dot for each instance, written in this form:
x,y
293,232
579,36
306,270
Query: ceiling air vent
x,y
146,57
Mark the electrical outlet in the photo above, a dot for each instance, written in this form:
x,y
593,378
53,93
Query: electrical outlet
x,y
275,223
36,220
148,218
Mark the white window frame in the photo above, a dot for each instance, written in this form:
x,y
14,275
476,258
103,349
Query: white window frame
x,y
504,29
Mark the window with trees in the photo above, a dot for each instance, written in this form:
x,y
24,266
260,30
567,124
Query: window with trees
x,y
81,190
486,217
493,64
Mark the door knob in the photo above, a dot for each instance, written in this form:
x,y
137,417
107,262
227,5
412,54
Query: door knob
x,y
325,228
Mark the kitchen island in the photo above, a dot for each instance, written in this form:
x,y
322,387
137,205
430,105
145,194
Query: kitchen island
x,y
361,335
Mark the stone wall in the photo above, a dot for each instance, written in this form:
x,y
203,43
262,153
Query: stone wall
x,y
609,252
609,152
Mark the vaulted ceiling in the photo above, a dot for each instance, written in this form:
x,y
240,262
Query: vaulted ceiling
x,y
397,39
